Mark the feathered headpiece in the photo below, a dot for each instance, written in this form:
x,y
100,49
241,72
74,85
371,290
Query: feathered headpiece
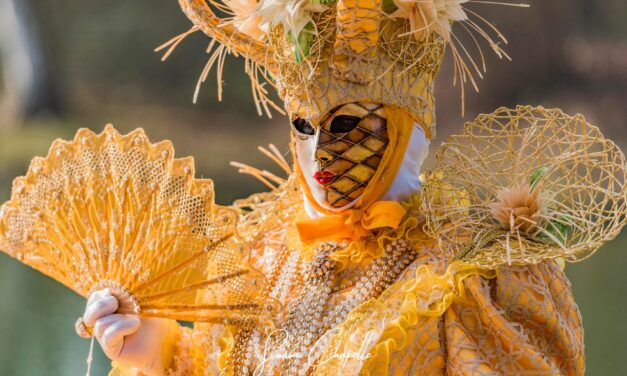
x,y
323,53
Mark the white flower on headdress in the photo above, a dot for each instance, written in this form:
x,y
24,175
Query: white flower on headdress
x,y
244,17
426,16
294,15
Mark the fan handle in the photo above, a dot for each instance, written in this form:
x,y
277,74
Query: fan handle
x,y
127,305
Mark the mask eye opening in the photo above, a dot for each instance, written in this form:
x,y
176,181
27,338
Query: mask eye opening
x,y
344,123
302,127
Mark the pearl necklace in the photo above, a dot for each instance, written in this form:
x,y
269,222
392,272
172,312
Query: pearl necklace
x,y
295,344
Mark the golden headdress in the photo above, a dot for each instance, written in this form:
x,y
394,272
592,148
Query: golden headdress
x,y
323,53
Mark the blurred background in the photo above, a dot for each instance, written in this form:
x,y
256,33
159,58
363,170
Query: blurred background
x,y
67,64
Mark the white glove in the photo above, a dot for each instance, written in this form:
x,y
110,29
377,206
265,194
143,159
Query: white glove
x,y
127,339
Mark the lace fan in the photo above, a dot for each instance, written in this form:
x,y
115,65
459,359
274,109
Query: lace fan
x,y
523,185
116,211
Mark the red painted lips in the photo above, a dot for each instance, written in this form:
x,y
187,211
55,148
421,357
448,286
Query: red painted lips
x,y
324,177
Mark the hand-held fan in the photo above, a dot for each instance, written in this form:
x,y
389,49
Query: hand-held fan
x,y
523,185
115,211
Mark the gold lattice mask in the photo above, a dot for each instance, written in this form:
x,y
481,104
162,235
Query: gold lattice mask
x,y
340,155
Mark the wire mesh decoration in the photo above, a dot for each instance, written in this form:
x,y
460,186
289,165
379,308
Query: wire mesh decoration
x,y
523,185
115,211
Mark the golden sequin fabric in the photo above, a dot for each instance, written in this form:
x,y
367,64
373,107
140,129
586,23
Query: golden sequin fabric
x,y
405,315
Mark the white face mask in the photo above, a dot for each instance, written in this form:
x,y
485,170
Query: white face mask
x,y
308,153
339,157
305,149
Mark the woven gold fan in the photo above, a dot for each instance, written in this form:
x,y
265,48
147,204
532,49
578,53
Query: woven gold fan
x,y
523,185
115,211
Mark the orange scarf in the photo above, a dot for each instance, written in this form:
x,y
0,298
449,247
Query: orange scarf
x,y
352,224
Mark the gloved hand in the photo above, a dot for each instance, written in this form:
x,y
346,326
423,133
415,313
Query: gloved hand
x,y
128,339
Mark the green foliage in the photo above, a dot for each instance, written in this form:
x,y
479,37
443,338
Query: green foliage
x,y
536,176
553,229
302,44
558,229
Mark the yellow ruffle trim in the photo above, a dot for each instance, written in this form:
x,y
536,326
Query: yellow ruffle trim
x,y
363,343
366,250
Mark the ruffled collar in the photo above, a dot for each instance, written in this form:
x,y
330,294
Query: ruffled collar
x,y
372,245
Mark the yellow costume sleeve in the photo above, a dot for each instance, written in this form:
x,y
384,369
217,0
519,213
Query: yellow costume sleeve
x,y
521,320
525,321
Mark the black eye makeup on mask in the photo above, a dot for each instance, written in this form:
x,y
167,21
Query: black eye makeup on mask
x,y
344,123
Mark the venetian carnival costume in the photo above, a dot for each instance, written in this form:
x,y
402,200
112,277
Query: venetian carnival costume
x,y
371,267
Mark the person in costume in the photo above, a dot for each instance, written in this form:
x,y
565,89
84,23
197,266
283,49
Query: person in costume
x,y
364,288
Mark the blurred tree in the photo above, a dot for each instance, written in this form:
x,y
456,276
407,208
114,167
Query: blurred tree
x,y
27,87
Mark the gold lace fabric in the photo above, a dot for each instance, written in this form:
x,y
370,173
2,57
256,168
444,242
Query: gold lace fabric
x,y
522,321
